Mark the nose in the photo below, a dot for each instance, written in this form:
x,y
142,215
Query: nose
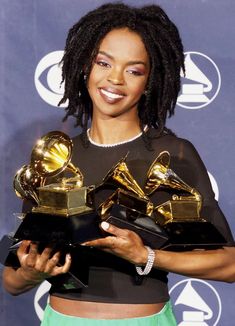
x,y
116,77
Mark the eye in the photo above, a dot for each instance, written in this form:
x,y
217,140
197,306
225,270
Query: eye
x,y
135,72
102,63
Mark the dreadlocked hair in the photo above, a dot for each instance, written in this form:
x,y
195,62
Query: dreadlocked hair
x,y
163,45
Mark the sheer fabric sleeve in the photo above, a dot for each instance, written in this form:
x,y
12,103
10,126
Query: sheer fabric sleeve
x,y
187,163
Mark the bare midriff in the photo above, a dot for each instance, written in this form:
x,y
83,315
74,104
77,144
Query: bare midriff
x,y
100,310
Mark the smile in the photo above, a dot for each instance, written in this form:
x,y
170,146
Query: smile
x,y
111,96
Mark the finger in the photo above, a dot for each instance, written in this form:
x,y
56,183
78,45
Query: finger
x,y
46,253
124,234
51,263
33,249
64,268
22,251
107,242
23,248
107,227
45,258
32,255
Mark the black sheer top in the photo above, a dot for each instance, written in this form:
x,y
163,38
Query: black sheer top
x,y
112,279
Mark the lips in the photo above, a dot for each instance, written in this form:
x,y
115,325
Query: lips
x,y
111,95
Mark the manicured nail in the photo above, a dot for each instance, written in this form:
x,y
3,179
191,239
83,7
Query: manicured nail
x,y
105,225
68,256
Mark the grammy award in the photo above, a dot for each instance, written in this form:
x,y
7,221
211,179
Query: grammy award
x,y
180,216
62,215
129,207
176,224
50,157
65,212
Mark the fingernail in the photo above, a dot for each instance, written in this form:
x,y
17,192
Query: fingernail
x,y
105,225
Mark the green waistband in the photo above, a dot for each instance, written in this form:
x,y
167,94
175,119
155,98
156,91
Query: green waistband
x,y
164,318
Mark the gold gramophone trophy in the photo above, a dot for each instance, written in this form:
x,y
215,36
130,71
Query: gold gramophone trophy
x,y
50,157
180,216
128,192
62,205
181,207
26,182
176,224
60,215
129,207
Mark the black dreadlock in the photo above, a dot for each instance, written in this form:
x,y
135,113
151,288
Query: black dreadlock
x,y
164,47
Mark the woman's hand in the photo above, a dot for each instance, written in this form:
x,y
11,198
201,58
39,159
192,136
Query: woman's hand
x,y
35,266
123,243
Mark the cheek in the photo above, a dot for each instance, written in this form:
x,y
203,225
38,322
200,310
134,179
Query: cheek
x,y
137,89
91,81
95,76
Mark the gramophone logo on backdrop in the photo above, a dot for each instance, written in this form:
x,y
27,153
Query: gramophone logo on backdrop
x,y
202,81
196,302
47,78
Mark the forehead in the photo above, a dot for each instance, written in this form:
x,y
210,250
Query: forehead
x,y
125,43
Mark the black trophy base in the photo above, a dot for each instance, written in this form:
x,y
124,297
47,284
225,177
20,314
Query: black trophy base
x,y
74,279
151,233
175,236
64,231
65,234
193,235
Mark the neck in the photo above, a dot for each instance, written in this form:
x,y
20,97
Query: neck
x,y
111,132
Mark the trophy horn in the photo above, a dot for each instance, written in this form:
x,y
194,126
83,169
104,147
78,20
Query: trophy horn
x,y
26,181
52,155
159,174
120,176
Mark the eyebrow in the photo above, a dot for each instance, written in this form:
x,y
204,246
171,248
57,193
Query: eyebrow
x,y
138,62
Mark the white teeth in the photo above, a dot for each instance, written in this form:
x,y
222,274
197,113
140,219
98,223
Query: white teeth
x,y
111,95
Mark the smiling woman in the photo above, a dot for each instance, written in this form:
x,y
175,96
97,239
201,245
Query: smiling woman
x,y
121,70
116,83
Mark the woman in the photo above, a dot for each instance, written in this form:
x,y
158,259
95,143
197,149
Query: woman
x,y
122,70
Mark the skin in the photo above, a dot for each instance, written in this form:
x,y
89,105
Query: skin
x,y
117,71
116,83
35,268
124,74
206,264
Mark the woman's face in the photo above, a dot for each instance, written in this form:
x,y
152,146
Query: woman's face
x,y
119,75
